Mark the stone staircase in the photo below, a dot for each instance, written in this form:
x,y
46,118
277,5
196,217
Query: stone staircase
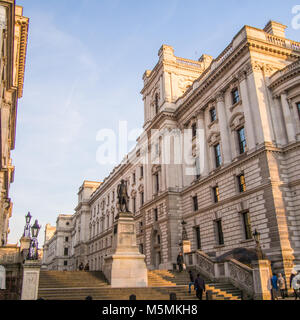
x,y
163,278
76,285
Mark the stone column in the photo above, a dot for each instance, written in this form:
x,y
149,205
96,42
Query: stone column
x,y
261,279
202,145
279,128
31,277
249,124
223,128
287,118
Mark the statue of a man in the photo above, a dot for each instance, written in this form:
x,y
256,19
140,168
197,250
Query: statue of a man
x,y
122,196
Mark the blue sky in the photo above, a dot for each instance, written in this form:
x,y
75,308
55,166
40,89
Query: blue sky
x,y
84,68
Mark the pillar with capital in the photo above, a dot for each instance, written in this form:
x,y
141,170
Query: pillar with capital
x,y
287,118
223,128
249,123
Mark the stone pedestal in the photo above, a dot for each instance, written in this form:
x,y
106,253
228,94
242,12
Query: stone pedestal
x,y
31,277
261,277
125,267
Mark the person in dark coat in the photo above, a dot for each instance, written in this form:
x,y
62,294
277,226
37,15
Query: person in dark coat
x,y
199,286
192,280
87,267
81,266
180,261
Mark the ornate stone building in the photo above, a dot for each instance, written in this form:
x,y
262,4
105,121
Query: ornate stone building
x,y
13,44
244,106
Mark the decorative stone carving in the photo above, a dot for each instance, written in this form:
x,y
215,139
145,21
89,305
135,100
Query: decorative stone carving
x,y
183,84
220,97
236,121
241,275
213,138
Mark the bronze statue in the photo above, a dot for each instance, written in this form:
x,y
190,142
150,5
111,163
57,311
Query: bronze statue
x,y
122,197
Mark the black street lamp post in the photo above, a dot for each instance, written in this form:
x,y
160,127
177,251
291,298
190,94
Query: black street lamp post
x,y
33,249
27,225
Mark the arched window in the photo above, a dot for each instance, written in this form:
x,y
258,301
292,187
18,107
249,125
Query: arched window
x,y
156,103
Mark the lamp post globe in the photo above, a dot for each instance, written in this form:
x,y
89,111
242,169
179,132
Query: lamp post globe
x,y
35,229
28,218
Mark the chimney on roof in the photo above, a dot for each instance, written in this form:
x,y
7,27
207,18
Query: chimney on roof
x,y
275,28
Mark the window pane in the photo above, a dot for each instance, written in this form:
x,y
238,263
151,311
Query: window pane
x,y
218,155
242,140
195,202
220,232
242,183
247,225
235,96
213,114
198,237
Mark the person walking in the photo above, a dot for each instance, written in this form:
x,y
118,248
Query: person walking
x,y
199,286
192,280
293,274
281,285
180,261
274,280
87,267
296,285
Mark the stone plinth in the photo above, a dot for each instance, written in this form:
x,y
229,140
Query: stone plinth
x,y
126,266
261,277
31,277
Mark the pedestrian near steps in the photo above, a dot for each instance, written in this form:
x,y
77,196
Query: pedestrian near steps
x,y
199,286
281,285
180,261
81,266
274,285
192,280
296,285
87,267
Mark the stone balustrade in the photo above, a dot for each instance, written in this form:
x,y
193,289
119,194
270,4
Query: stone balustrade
x,y
238,274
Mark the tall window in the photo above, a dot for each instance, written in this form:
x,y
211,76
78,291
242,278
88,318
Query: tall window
x,y
158,239
218,155
134,205
194,130
298,107
247,225
195,203
156,182
133,178
156,104
235,96
142,198
219,232
216,194
242,140
142,171
198,237
241,182
66,251
155,214
197,164
213,114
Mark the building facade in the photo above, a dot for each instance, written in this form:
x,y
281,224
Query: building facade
x,y
13,44
241,171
